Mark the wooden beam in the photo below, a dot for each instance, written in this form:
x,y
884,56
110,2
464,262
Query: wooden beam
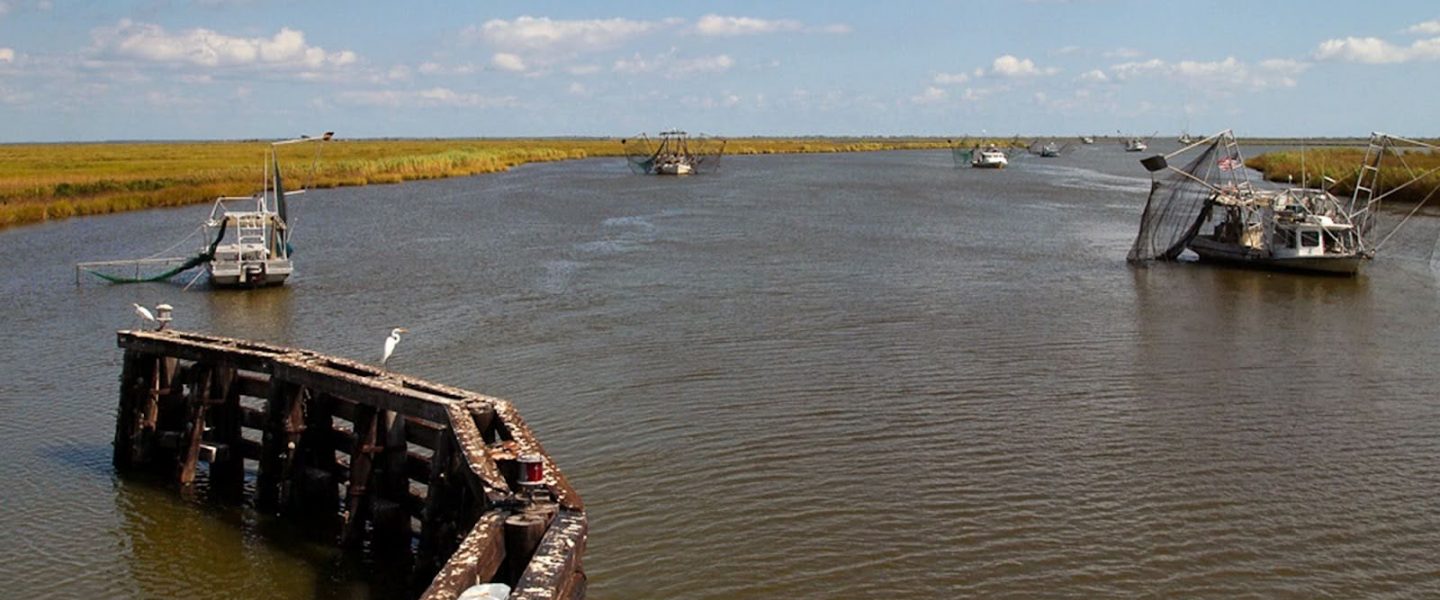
x,y
471,446
134,385
440,500
227,474
556,560
527,444
188,347
357,502
282,428
254,385
475,561
373,392
195,425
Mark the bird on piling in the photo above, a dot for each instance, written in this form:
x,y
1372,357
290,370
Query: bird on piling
x,y
143,313
390,344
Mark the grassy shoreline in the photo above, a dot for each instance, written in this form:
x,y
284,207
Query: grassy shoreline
x,y
1342,165
46,182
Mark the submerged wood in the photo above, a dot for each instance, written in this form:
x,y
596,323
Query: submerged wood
x,y
180,410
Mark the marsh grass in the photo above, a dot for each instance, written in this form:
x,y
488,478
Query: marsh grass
x,y
40,182
1343,164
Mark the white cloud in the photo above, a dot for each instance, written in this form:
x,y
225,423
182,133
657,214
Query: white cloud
x,y
428,98
206,48
720,26
1011,66
7,55
716,25
578,89
1371,50
543,35
435,68
1094,76
1223,76
508,62
931,95
672,65
1426,28
1122,53
951,78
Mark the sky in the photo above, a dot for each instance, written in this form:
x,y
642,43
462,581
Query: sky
x,y
244,69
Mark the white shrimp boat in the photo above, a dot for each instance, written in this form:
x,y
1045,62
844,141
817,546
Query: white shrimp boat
x,y
676,153
245,241
1211,208
1136,144
989,158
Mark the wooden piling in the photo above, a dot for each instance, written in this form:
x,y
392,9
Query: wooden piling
x,y
198,400
180,403
227,469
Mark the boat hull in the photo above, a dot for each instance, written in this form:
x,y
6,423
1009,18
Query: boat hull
x,y
673,169
1232,254
250,274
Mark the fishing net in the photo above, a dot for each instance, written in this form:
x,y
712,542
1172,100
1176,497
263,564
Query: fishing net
x,y
701,152
962,156
203,257
1179,201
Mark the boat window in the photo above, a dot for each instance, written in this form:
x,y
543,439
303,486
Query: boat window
x,y
1310,239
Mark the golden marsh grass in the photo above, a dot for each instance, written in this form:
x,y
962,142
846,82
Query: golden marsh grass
x,y
1342,165
40,182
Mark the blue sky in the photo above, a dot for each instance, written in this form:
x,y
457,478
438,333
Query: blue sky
x,y
222,69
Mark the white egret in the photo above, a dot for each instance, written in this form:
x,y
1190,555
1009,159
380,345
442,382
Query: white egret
x,y
143,313
391,342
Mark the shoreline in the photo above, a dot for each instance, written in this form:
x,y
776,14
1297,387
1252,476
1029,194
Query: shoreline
x,y
52,182
43,182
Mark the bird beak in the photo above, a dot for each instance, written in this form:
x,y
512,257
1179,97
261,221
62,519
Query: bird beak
x,y
402,330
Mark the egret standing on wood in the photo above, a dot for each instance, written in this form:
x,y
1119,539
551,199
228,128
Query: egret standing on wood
x,y
390,343
144,314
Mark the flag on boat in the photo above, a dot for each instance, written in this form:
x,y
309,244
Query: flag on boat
x,y
1230,163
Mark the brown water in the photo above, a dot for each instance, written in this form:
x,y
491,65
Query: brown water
x,y
858,375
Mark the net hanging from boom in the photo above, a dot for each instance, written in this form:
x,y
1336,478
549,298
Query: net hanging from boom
x,y
1179,201
205,256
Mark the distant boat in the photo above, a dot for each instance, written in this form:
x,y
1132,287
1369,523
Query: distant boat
x,y
1088,139
675,153
1136,143
1048,149
990,157
1211,209
1186,138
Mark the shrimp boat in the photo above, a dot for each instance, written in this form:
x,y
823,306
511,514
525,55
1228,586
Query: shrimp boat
x,y
1136,144
1087,139
1211,208
676,153
1048,149
246,239
990,157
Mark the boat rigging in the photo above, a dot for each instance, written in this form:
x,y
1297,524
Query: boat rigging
x,y
1210,207
245,240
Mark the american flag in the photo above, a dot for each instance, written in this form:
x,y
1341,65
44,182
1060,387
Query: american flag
x,y
1229,164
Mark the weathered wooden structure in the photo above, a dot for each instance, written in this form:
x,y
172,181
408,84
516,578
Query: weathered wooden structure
x,y
415,473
